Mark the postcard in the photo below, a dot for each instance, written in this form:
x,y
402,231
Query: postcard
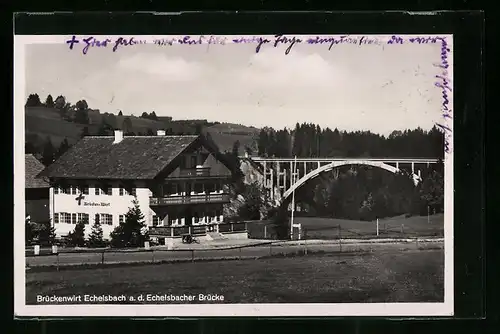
x,y
211,175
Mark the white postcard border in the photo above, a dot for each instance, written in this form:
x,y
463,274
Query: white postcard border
x,y
196,310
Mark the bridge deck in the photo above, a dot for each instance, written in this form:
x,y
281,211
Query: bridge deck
x,y
389,160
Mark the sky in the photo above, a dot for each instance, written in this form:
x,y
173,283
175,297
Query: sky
x,y
350,87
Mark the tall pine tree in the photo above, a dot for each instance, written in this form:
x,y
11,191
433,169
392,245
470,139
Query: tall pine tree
x,y
96,236
77,236
132,232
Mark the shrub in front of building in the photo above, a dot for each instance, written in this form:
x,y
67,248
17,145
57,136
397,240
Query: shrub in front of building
x,y
96,236
132,232
76,238
43,234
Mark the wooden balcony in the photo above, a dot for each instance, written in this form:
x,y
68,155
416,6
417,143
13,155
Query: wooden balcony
x,y
177,231
192,199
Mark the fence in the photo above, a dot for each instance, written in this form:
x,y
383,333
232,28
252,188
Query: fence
x,y
328,230
93,257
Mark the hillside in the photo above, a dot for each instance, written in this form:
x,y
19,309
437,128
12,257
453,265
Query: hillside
x,y
42,122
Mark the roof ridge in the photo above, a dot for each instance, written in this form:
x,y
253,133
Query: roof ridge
x,y
150,136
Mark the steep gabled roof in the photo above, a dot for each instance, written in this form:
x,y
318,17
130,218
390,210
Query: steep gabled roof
x,y
32,168
135,157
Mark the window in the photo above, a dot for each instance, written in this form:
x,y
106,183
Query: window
x,y
56,190
73,190
66,190
107,219
194,161
121,219
198,188
107,189
96,219
157,221
83,189
65,218
73,218
172,219
83,217
196,217
121,191
218,187
210,187
97,189
56,218
133,191
218,215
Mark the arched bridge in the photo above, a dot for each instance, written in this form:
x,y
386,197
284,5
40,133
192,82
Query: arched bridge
x,y
284,175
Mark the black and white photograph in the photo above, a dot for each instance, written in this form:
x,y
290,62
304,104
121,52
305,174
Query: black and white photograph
x,y
213,175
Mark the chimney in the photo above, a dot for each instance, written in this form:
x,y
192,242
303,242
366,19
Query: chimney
x,y
160,132
118,136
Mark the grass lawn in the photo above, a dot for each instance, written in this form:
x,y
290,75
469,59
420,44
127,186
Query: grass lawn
x,y
381,276
397,227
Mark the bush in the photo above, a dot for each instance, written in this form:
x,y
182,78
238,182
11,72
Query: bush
x,y
77,237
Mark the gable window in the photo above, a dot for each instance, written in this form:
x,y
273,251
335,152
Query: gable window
x,y
194,161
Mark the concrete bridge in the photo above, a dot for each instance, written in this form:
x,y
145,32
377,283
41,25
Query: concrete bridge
x,y
284,175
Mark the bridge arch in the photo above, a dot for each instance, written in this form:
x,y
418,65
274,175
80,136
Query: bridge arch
x,y
326,168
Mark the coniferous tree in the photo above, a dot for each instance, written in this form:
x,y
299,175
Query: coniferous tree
x,y
96,235
62,148
132,232
77,236
49,101
48,152
33,101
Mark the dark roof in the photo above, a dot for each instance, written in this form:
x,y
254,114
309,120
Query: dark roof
x,y
32,167
135,157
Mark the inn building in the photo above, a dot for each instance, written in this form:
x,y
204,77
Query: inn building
x,y
180,183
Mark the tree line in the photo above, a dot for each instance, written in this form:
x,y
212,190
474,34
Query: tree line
x,y
310,140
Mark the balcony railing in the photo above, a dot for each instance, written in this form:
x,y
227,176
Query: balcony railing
x,y
192,199
177,231
198,171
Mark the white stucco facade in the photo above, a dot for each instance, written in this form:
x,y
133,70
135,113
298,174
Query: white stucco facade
x,y
66,209
92,204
